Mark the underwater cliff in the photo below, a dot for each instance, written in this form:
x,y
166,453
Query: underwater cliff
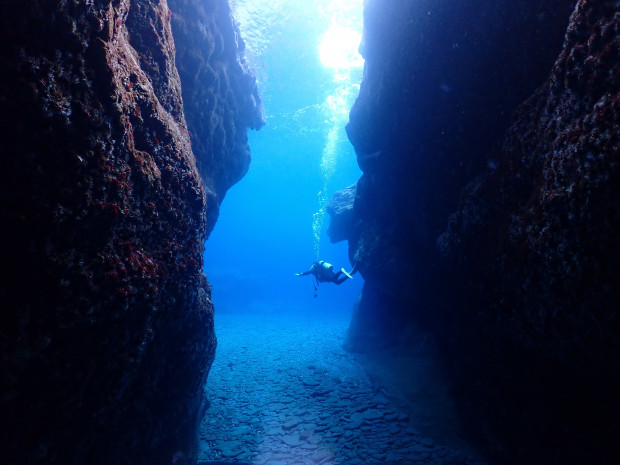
x,y
123,124
486,215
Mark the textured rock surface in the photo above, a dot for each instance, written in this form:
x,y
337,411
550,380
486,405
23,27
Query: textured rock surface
x,y
340,210
441,81
543,225
220,95
521,291
107,324
536,241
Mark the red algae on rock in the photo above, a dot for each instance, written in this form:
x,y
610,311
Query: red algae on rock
x,y
107,324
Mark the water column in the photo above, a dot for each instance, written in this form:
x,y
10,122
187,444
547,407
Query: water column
x,y
328,167
338,52
306,56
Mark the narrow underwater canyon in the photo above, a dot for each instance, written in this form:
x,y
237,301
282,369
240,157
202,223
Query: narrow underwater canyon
x,y
486,216
123,125
485,220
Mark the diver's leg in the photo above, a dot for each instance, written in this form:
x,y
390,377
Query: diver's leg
x,y
337,278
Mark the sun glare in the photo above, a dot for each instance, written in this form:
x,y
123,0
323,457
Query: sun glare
x,y
338,48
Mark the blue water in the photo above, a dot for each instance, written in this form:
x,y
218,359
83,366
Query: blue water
x,y
272,223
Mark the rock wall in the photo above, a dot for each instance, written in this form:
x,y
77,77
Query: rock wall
x,y
544,219
486,214
107,198
441,82
220,95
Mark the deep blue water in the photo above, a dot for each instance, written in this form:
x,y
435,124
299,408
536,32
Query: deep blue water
x,y
270,223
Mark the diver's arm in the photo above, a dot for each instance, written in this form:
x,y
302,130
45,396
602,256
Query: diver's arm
x,y
305,273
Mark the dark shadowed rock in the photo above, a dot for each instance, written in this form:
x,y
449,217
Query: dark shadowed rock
x,y
522,288
107,323
536,240
545,214
340,210
441,82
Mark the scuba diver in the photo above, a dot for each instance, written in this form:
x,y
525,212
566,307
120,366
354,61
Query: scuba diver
x,y
323,272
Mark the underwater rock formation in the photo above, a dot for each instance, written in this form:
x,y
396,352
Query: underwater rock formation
x,y
541,226
535,240
220,96
107,198
441,82
522,288
340,210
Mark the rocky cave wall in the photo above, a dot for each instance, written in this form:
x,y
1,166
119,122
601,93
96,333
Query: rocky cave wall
x,y
123,123
487,133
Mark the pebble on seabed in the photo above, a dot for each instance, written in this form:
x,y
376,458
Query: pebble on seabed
x,y
295,398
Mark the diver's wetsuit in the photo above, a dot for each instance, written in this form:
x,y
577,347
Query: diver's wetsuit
x,y
323,272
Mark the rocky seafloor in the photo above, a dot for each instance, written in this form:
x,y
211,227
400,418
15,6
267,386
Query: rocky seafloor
x,y
283,391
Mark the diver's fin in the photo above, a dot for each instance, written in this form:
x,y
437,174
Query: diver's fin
x,y
346,274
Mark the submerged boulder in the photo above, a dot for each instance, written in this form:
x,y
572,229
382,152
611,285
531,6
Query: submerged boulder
x,y
340,211
107,323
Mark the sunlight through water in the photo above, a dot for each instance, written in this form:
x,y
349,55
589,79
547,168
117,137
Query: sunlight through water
x,y
338,48
332,37
338,52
